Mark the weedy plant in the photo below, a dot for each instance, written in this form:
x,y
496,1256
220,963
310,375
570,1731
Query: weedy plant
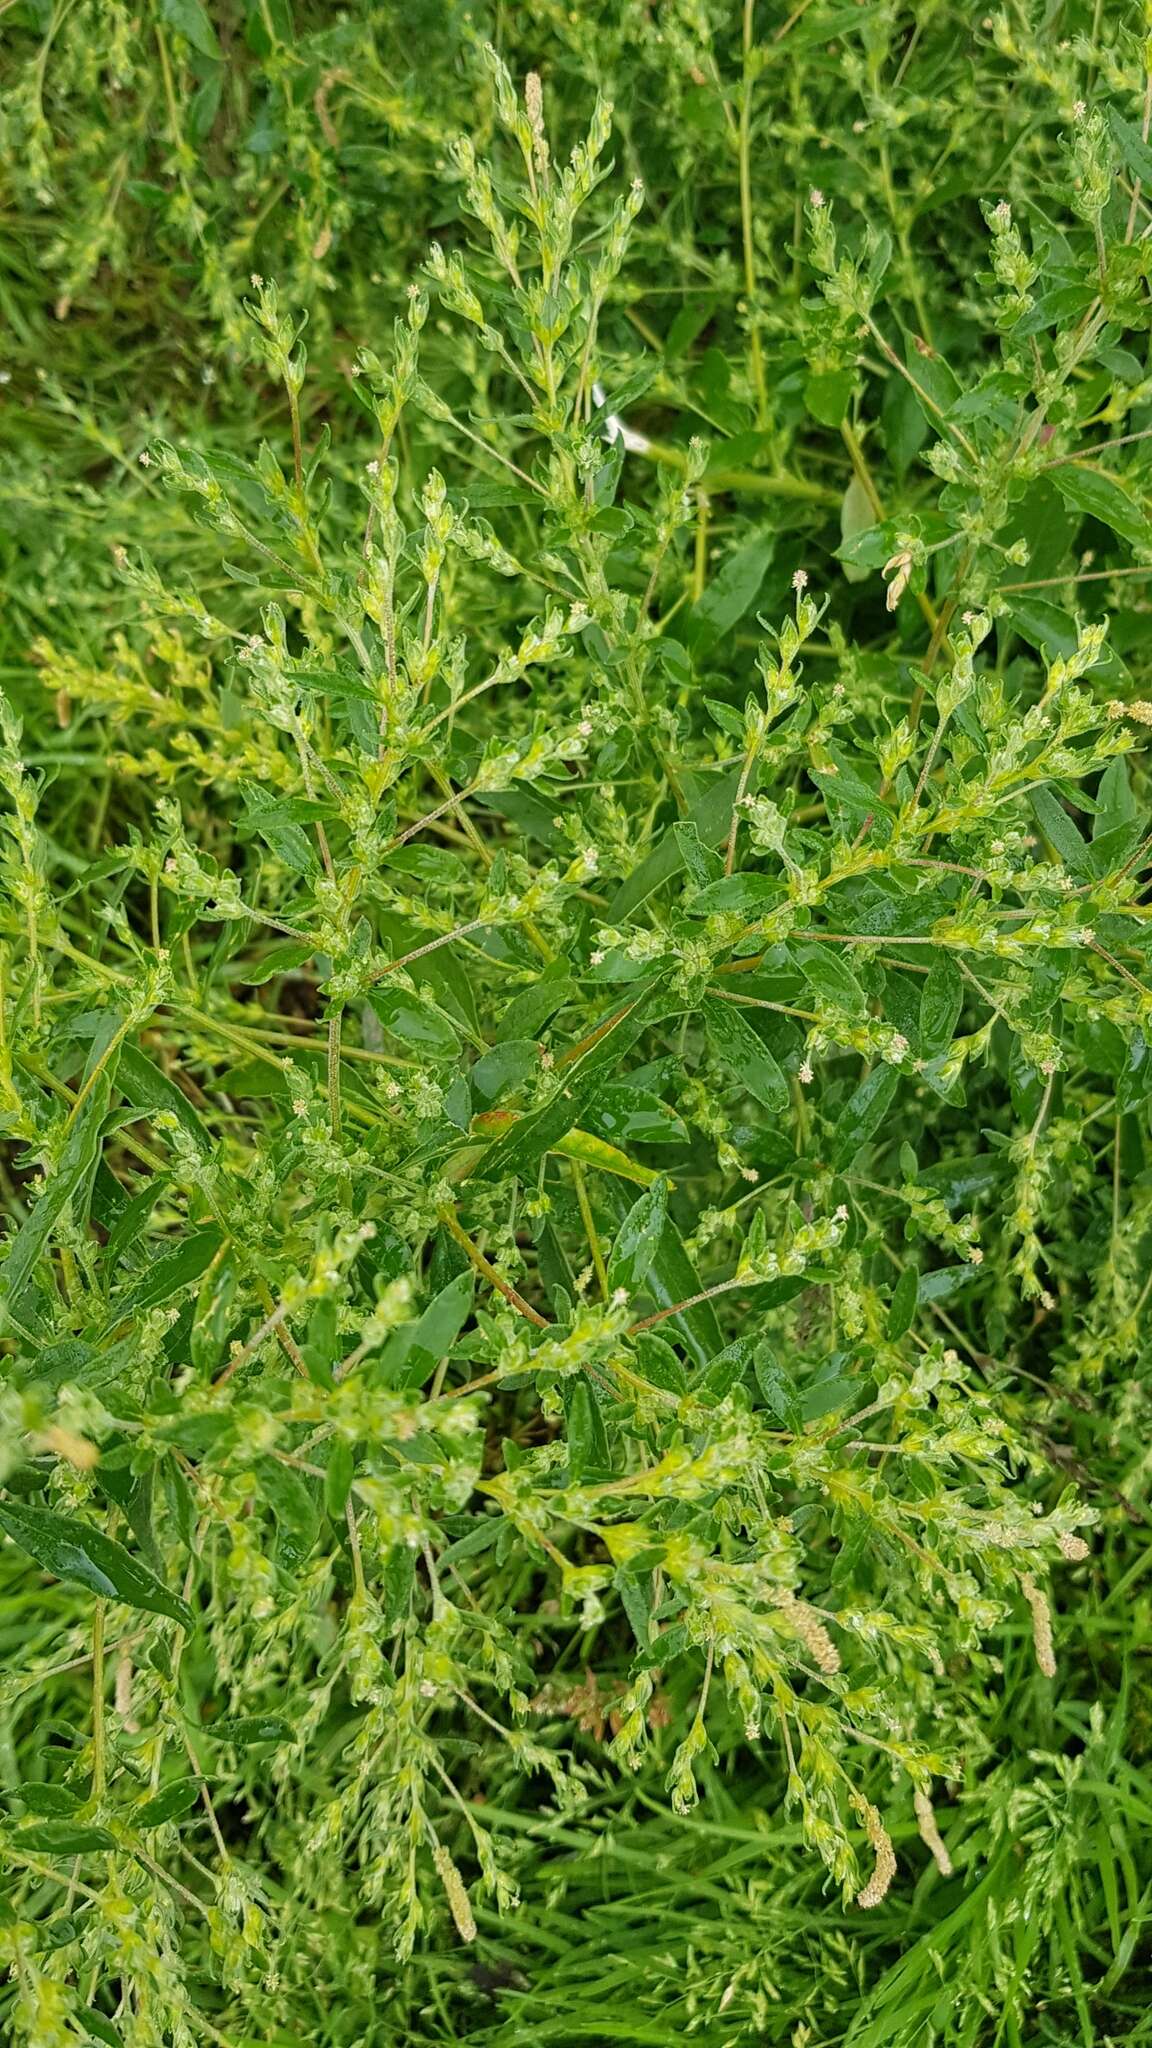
x,y
576,1090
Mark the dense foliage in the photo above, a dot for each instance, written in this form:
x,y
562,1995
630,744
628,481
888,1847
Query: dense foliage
x,y
575,1024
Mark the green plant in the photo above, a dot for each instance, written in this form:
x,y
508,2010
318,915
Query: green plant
x,y
556,1139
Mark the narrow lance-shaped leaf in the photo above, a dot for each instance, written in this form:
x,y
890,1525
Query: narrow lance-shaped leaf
x,y
72,1549
740,1049
638,1239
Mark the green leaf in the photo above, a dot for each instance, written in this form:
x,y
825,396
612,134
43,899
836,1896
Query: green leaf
x,y
732,592
170,1804
278,960
50,1802
777,1387
244,1731
193,23
1060,831
1055,632
624,1114
857,517
1090,489
63,1838
864,1112
723,1371
337,683
1135,151
532,1136
742,1050
78,1156
828,972
638,1240
416,1349
172,1273
902,1307
99,2028
143,1083
72,1549
338,1476
1117,805
747,894
941,1002
712,817
416,1022
828,394
672,1278
586,1437
590,1151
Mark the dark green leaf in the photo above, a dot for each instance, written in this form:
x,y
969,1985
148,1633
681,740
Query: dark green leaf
x,y
175,1800
638,1239
744,1052
864,1112
902,1307
70,1548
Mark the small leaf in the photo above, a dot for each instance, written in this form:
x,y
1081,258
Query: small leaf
x,y
338,1475
747,894
78,1156
732,592
638,1240
1090,489
170,1274
902,1307
72,1549
99,2028
63,1838
857,517
277,960
584,1430
175,1800
245,1730
416,1348
864,1112
741,1049
1060,831
49,1802
415,1021
723,1371
941,1001
830,975
777,1387
193,23
828,394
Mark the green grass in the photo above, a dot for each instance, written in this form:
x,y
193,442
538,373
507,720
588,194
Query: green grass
x,y
575,1104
